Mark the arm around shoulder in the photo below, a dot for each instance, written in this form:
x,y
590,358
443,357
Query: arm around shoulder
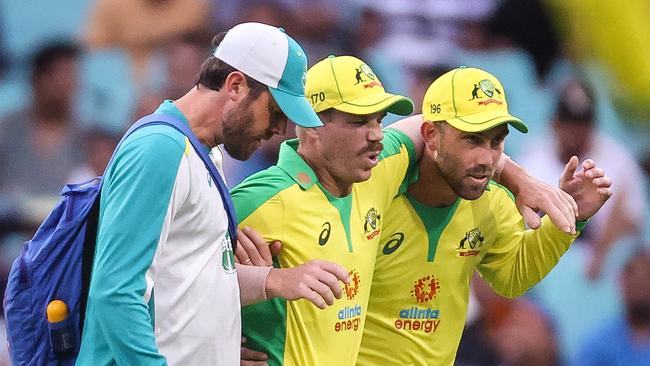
x,y
410,126
520,258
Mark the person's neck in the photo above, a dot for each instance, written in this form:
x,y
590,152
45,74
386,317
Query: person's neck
x,y
325,178
431,188
203,111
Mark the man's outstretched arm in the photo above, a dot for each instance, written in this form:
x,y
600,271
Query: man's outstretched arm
x,y
521,258
532,195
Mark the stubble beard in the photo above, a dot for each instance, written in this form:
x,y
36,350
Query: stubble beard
x,y
455,179
237,139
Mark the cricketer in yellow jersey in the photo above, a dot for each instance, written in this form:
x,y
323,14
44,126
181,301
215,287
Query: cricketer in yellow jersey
x,y
455,220
321,201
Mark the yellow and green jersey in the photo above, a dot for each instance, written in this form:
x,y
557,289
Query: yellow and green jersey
x,y
425,261
287,203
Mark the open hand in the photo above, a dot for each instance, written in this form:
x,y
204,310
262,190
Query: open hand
x,y
533,196
316,281
590,188
538,196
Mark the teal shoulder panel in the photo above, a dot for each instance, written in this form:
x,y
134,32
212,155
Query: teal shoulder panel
x,y
153,135
137,189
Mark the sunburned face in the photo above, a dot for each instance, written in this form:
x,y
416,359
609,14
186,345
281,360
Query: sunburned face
x,y
350,145
466,160
246,125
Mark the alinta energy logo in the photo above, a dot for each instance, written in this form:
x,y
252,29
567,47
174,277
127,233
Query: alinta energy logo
x,y
425,289
349,318
352,288
421,319
488,90
373,221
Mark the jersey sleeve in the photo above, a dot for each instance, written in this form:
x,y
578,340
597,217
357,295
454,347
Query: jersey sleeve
x,y
258,204
397,161
520,258
135,208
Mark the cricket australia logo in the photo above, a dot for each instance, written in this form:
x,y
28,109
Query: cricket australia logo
x,y
471,243
365,74
372,225
227,256
487,89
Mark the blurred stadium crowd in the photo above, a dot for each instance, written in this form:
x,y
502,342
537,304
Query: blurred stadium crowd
x,y
75,73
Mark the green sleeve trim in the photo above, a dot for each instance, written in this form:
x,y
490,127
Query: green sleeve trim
x,y
580,225
265,326
250,194
393,141
412,176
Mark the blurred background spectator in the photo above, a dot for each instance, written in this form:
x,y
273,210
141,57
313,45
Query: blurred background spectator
x,y
526,337
141,26
39,144
507,332
575,71
624,340
184,56
574,132
98,145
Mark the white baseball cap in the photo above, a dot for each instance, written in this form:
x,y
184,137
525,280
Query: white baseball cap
x,y
268,55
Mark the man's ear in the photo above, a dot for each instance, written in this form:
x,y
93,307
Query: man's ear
x,y
236,86
311,133
430,134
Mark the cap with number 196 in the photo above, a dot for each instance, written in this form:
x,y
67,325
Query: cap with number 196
x,y
469,99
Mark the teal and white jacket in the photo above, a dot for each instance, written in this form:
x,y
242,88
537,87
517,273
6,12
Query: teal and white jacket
x,y
164,287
